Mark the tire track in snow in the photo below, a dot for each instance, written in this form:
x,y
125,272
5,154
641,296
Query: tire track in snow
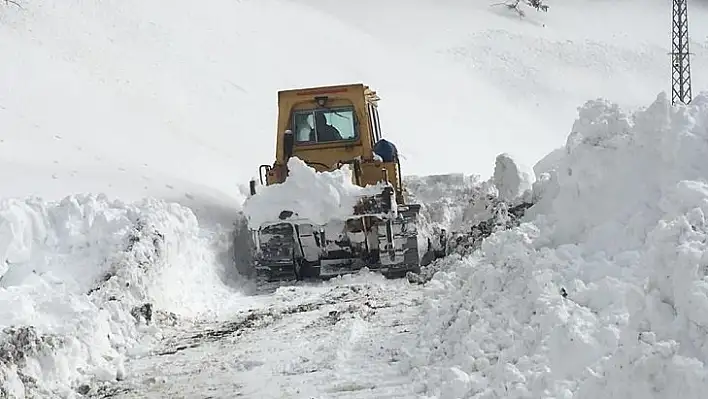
x,y
340,339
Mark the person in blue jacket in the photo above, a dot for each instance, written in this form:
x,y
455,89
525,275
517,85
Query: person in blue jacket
x,y
386,150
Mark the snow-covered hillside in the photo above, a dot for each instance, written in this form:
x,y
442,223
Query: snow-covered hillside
x,y
133,97
498,83
138,124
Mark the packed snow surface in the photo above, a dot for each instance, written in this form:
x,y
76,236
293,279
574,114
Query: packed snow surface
x,y
603,292
338,339
317,196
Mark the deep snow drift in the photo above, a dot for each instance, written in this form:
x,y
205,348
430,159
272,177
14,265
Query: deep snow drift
x,y
603,292
86,280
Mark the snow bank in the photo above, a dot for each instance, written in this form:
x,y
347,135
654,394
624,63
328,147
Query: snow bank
x,y
456,202
81,280
512,179
603,293
318,196
443,198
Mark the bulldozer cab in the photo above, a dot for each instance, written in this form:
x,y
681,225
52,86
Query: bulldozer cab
x,y
330,126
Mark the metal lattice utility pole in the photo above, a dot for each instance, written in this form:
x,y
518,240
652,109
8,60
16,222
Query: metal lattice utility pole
x,y
681,66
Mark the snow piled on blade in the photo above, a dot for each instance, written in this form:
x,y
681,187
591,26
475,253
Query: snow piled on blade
x,y
84,279
318,196
603,292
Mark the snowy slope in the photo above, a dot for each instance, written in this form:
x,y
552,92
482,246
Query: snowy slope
x,y
505,84
133,98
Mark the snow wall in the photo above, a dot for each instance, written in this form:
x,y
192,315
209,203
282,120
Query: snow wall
x,y
602,291
85,280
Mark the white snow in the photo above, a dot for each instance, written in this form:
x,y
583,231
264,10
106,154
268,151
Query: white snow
x,y
74,270
132,99
602,293
164,113
320,197
445,198
307,341
511,179
480,81
456,202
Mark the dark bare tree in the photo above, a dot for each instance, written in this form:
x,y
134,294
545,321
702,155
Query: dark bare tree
x,y
515,5
13,2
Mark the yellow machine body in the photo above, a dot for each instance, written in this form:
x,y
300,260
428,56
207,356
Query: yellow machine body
x,y
328,127
353,109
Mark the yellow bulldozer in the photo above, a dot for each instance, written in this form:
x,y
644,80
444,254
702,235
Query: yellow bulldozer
x,y
328,127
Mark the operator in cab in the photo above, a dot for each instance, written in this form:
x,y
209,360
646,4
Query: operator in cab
x,y
325,131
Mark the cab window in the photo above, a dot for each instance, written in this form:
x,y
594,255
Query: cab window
x,y
324,125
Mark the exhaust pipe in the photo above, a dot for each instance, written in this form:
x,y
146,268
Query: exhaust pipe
x,y
288,145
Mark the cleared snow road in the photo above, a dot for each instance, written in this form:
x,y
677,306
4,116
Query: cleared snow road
x,y
337,339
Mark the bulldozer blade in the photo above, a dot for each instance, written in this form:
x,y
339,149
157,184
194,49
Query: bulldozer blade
x,y
276,271
275,249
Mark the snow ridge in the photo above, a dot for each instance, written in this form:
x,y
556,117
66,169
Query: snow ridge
x,y
602,292
87,280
